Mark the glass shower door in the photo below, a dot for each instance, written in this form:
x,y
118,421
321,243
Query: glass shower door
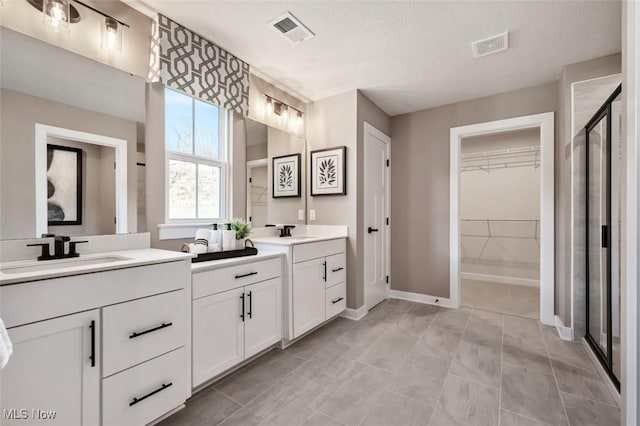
x,y
603,173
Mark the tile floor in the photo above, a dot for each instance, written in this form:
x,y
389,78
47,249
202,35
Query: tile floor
x,y
412,364
508,299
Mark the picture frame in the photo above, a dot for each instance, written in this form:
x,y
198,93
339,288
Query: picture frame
x,y
64,185
286,176
329,171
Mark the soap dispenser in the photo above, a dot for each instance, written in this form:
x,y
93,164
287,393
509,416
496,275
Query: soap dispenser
x,y
228,238
215,241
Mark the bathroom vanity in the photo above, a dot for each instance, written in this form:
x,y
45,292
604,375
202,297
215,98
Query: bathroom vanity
x,y
237,312
315,280
101,339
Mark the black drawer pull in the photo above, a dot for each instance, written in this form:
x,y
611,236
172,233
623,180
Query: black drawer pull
x,y
92,357
142,398
337,269
142,333
246,275
337,300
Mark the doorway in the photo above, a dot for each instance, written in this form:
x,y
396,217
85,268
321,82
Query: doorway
x,y
377,207
257,192
500,222
545,233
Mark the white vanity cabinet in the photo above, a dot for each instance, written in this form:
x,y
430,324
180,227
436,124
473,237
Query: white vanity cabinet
x,y
237,313
103,348
319,283
54,369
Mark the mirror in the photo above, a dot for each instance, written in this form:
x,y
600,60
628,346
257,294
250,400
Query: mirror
x,y
63,127
276,175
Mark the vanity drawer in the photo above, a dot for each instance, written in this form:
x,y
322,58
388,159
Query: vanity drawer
x,y
142,329
308,251
219,280
336,300
143,393
336,269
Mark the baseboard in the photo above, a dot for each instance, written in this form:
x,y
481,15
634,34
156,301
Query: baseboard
x,y
421,298
354,314
565,333
500,279
605,377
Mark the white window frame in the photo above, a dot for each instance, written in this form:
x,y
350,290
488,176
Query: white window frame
x,y
182,228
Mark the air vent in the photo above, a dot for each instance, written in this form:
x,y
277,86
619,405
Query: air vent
x,y
288,26
490,45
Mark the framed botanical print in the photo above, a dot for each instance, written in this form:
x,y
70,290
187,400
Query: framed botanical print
x,y
64,185
329,171
286,176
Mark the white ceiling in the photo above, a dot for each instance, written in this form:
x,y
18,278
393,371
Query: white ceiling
x,y
406,56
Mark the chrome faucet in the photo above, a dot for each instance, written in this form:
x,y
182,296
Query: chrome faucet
x,y
58,247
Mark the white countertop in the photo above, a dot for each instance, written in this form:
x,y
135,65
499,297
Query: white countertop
x,y
293,240
223,263
130,258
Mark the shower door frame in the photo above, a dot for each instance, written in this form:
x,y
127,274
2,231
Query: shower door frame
x,y
606,360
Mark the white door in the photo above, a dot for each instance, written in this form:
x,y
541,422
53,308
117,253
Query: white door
x,y
218,334
308,295
263,324
376,215
54,373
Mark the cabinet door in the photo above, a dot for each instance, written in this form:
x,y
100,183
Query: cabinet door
x,y
218,334
51,374
308,295
263,325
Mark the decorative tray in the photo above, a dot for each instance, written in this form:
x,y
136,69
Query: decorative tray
x,y
205,257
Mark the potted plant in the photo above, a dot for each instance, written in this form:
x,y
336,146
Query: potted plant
x,y
242,228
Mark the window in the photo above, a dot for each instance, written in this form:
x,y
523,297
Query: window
x,y
196,158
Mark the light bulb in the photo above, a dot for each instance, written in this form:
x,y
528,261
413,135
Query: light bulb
x,y
285,113
111,35
269,106
56,14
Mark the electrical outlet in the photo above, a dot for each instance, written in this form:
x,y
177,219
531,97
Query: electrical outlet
x,y
300,214
312,214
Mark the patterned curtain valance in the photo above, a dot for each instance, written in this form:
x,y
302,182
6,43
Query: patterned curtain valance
x,y
183,60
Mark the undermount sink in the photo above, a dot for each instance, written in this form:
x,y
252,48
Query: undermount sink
x,y
59,264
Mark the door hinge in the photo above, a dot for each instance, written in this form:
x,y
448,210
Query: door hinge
x,y
250,180
387,221
114,165
388,161
387,279
250,218
114,220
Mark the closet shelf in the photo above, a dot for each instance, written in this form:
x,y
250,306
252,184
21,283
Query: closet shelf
x,y
501,159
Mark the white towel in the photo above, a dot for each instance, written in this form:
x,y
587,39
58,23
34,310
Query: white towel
x,y
6,347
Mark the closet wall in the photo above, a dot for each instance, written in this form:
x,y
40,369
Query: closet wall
x,y
500,207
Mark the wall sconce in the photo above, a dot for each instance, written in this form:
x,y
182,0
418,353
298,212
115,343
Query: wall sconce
x,y
287,115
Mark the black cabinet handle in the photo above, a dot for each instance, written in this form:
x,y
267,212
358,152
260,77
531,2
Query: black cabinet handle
x,y
324,265
142,333
250,305
370,230
337,269
242,303
92,357
142,398
246,275
334,301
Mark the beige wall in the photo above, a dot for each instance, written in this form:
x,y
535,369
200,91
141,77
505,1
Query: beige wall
x,y
332,122
566,185
338,121
257,152
420,182
19,114
238,165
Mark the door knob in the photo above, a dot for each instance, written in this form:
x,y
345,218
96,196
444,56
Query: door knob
x,y
370,230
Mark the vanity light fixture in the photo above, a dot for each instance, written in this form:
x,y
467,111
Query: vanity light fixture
x,y
57,14
111,35
284,112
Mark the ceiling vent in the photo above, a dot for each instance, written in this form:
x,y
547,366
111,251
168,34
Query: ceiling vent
x,y
490,45
291,28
